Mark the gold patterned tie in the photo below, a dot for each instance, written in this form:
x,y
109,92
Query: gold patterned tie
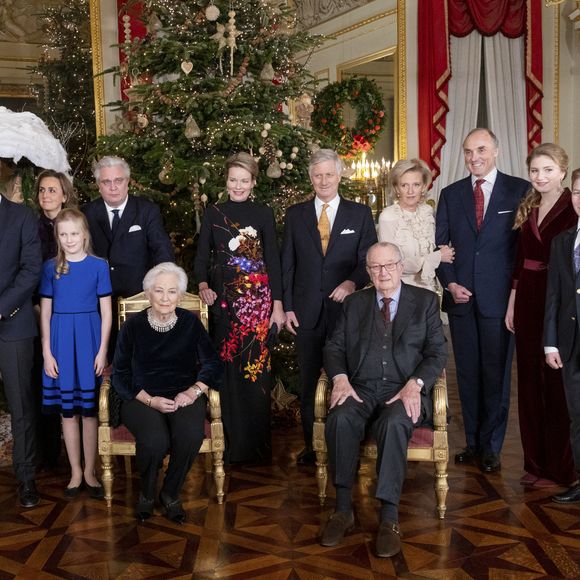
x,y
324,229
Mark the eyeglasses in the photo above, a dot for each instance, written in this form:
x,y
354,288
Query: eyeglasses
x,y
117,182
376,268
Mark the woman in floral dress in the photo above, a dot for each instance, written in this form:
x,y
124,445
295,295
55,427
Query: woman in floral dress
x,y
238,270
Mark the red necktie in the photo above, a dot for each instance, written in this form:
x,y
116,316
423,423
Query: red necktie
x,y
479,201
385,310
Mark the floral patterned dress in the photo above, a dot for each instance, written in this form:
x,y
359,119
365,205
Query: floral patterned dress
x,y
237,255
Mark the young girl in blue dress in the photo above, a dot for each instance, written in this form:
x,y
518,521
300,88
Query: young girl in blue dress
x,y
75,287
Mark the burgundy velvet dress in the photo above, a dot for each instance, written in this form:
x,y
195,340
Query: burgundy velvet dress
x,y
543,414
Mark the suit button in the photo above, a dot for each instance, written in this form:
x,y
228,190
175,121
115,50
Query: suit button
x,y
112,268
578,291
573,318
385,347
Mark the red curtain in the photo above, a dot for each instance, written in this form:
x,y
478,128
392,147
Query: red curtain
x,y
437,20
432,81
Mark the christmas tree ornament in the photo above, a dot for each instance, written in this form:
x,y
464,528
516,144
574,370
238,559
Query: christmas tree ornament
x,y
142,120
274,171
154,25
164,174
220,38
267,73
186,66
192,130
233,33
212,12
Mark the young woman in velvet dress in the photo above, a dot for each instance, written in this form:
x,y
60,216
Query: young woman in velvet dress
x,y
544,423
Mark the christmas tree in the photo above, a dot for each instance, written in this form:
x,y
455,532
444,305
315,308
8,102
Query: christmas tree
x,y
63,83
211,78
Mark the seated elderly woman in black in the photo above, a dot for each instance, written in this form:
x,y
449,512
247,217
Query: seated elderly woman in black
x,y
164,365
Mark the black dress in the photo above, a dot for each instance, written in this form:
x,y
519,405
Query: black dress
x,y
238,257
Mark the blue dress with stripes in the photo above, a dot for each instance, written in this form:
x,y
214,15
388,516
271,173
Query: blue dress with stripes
x,y
75,335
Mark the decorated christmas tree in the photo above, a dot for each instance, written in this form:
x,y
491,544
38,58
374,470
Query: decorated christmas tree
x,y
211,78
63,83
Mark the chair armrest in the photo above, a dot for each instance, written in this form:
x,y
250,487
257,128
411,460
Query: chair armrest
x,y
104,402
440,403
215,409
322,396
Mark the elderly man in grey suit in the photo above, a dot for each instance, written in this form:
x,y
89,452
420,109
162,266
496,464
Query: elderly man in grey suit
x,y
384,356
20,268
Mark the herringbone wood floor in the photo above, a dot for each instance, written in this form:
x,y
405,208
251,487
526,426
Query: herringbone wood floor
x,y
269,526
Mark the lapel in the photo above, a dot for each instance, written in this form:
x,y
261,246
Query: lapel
x,y
340,223
405,311
568,246
494,201
4,217
102,220
367,310
127,218
469,203
309,218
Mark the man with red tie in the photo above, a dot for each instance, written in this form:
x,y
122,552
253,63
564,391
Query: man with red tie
x,y
476,216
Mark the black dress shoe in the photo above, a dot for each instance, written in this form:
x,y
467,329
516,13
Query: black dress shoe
x,y
72,492
490,463
173,509
306,457
388,540
95,491
335,528
572,495
27,494
467,456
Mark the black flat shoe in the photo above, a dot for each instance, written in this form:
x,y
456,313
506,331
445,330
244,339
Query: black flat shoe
x,y
96,492
72,492
144,508
27,494
173,509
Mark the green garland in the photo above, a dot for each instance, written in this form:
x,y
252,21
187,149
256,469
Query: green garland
x,y
364,97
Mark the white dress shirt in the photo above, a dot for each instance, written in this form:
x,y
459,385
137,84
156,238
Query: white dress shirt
x,y
487,186
330,210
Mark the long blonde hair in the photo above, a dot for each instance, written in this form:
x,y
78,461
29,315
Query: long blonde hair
x,y
70,214
533,198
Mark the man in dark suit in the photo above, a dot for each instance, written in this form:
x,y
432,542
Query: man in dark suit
x,y
125,230
323,261
384,356
20,269
561,327
476,216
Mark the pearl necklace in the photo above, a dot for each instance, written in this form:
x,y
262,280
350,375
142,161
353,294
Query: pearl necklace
x,y
161,326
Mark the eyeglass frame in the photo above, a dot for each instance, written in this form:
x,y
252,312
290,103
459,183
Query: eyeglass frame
x,y
117,182
378,268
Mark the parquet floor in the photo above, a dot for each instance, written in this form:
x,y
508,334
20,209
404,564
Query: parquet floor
x,y
268,527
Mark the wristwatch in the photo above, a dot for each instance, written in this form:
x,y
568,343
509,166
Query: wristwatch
x,y
198,391
420,382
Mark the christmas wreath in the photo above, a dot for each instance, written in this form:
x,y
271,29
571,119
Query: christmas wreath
x,y
364,97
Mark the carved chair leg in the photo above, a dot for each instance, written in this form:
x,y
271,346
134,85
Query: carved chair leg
x,y
441,487
321,474
219,474
107,478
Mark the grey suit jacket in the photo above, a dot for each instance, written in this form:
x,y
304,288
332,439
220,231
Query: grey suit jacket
x,y
20,269
419,345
